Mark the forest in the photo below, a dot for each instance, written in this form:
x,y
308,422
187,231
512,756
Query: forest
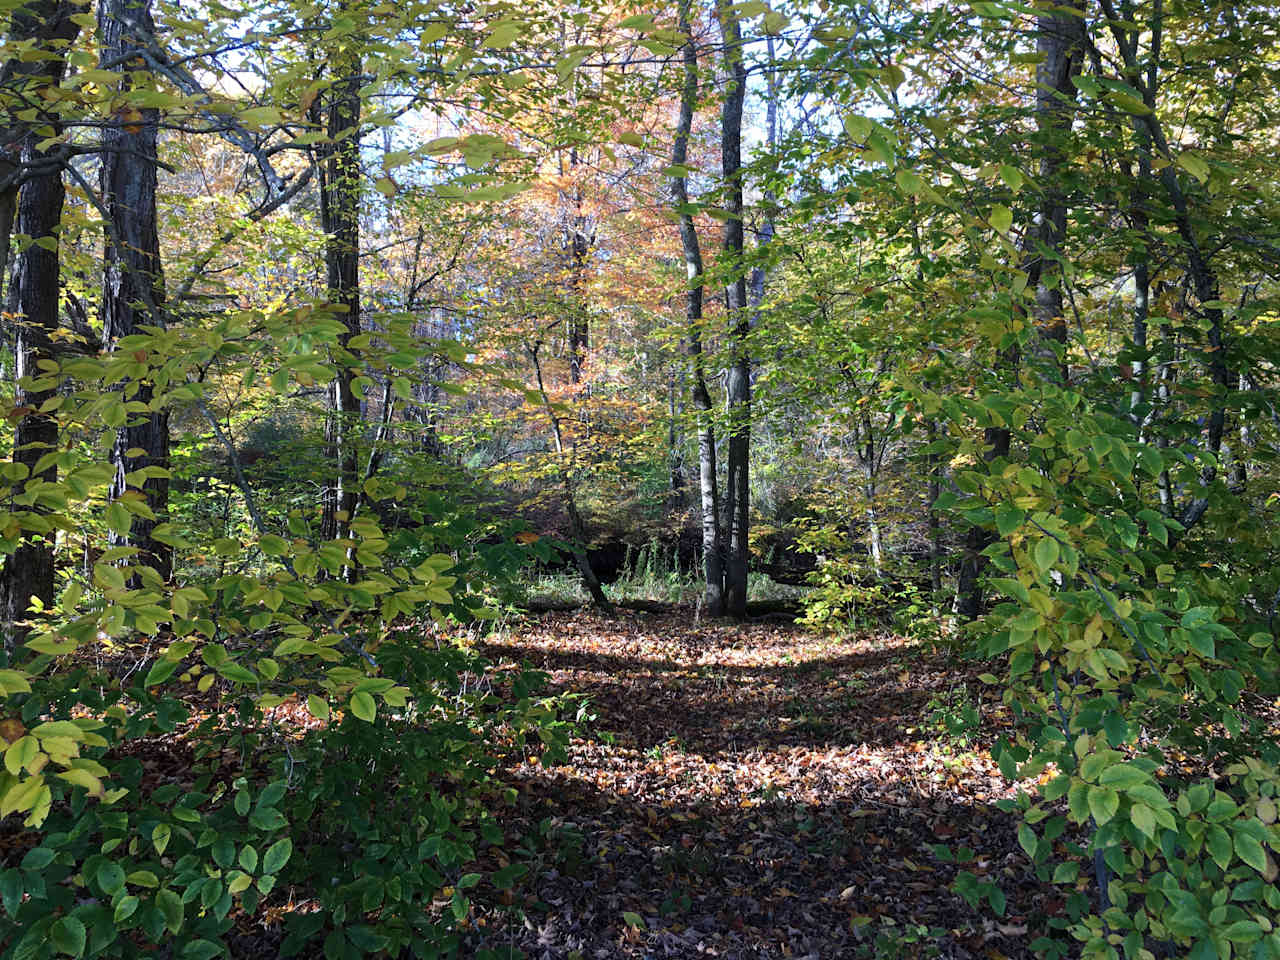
x,y
629,480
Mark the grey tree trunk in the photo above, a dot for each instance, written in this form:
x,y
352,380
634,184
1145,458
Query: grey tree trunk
x,y
34,296
133,282
708,488
738,382
340,220
1060,41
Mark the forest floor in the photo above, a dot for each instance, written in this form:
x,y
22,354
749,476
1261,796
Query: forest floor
x,y
761,791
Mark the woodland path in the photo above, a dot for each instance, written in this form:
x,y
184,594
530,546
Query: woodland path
x,y
760,791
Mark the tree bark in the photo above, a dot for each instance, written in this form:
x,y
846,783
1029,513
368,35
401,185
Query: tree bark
x,y
577,528
34,297
133,283
738,381
973,564
340,220
708,489
935,527
1060,41
579,247
675,441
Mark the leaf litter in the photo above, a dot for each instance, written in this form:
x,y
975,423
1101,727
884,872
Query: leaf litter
x,y
756,790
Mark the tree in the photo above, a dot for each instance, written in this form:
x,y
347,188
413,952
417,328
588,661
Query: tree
x,y
737,500
44,30
339,110
713,599
133,285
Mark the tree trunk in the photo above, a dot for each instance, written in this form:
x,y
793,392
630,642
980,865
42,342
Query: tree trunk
x,y
577,528
579,247
1060,42
935,528
738,381
133,283
675,442
871,468
708,489
34,296
875,541
340,220
969,596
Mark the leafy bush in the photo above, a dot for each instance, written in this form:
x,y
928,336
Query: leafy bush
x,y
1138,678
153,815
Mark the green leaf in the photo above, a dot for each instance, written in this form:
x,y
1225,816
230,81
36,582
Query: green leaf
x,y
119,519
248,858
318,706
111,877
503,34
367,939
277,855
1143,818
237,673
1218,841
1008,518
1103,804
1046,554
11,889
1250,850
238,881
1001,218
1122,776
68,936
272,545
38,858
160,671
997,899
267,818
201,950
170,905
21,752
1027,839
633,920
1128,103
1193,165
1012,177
909,182
461,905
160,837
364,707
125,909
1066,872
505,878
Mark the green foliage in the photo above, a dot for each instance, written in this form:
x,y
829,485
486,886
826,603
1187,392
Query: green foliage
x,y
393,812
1127,673
267,614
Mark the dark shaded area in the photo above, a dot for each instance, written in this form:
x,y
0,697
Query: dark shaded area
x,y
787,806
774,880
866,698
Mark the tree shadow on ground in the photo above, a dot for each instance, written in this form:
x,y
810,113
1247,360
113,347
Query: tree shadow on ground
x,y
841,700
650,878
756,792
